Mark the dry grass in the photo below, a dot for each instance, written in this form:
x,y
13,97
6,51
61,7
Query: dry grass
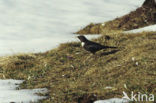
x,y
72,75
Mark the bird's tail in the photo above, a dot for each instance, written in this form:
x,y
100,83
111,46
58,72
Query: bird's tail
x,y
105,47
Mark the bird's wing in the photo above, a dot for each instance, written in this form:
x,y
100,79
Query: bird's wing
x,y
101,46
93,47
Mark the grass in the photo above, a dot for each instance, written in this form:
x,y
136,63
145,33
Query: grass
x,y
73,75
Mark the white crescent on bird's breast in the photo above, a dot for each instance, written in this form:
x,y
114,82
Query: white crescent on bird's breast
x,y
82,44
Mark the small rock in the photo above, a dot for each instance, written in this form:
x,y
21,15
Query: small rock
x,y
133,59
125,86
137,63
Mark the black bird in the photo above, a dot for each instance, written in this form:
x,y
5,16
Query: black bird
x,y
91,46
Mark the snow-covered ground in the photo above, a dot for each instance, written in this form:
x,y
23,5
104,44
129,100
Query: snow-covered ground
x,y
144,29
112,100
39,25
9,92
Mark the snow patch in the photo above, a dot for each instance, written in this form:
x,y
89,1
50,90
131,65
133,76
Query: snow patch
x,y
9,92
144,29
39,25
112,100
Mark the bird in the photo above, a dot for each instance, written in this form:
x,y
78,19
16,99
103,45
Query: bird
x,y
91,46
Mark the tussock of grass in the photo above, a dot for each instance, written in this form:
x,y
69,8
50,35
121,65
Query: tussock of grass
x,y
73,75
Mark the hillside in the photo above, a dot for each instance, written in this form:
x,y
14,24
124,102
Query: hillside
x,y
141,17
72,75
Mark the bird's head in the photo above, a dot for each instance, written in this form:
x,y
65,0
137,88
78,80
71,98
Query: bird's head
x,y
82,38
